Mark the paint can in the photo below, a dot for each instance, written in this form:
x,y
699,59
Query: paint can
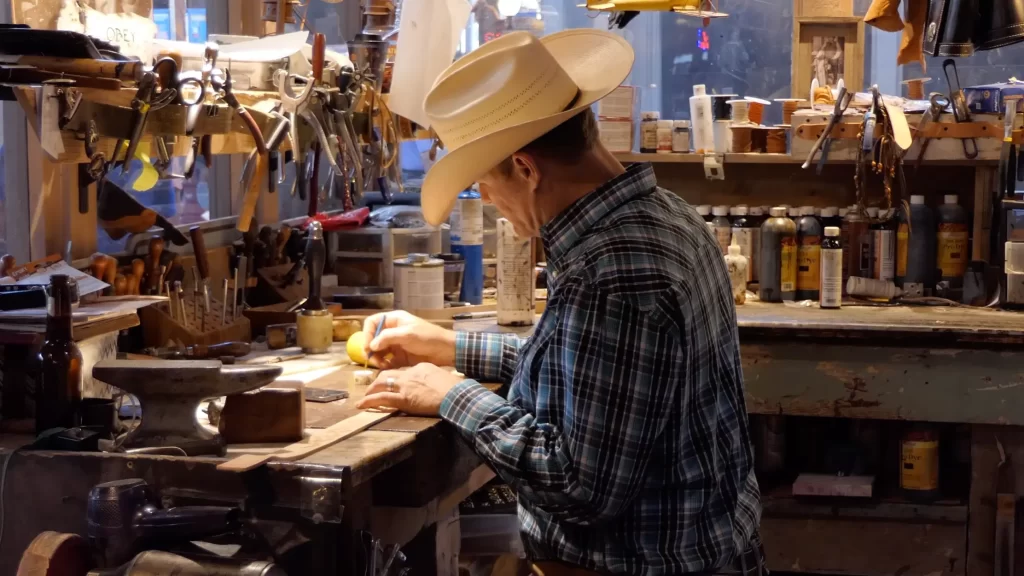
x,y
515,277
467,237
419,283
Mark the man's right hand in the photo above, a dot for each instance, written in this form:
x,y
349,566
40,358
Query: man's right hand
x,y
407,340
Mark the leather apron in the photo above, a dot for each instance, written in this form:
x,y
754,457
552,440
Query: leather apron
x,y
959,27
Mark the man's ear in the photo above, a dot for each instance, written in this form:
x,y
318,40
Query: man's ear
x,y
526,169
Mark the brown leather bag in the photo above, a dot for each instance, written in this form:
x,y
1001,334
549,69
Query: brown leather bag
x,y
959,27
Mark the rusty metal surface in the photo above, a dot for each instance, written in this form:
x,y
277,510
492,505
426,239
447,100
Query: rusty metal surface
x,y
860,381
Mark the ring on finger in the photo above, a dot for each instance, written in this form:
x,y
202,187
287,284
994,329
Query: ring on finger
x,y
390,385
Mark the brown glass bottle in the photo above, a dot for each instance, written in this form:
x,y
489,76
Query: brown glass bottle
x,y
59,390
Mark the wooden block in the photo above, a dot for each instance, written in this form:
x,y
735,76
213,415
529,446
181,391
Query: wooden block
x,y
266,415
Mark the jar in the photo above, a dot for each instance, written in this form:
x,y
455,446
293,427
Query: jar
x,y
649,132
681,136
664,136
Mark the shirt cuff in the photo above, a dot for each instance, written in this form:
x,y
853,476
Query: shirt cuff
x,y
467,404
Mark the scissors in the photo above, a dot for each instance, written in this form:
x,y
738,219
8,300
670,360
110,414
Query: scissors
x,y
188,87
824,142
939,104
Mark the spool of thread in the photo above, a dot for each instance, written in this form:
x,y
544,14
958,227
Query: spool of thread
x,y
776,141
740,110
741,138
823,95
789,106
759,139
755,112
915,87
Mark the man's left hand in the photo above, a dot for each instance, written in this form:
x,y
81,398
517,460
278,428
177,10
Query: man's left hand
x,y
418,390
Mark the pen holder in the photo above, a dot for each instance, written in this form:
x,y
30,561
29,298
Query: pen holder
x,y
159,327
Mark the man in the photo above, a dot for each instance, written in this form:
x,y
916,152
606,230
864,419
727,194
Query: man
x,y
624,433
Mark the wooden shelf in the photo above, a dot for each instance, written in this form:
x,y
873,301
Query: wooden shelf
x,y
828,19
754,158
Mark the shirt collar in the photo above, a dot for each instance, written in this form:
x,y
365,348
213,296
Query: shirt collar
x,y
562,233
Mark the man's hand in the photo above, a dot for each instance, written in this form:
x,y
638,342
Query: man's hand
x,y
409,341
417,391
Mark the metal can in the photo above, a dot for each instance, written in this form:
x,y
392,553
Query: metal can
x,y
467,236
419,282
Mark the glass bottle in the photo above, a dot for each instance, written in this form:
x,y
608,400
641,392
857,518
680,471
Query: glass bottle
x,y
59,390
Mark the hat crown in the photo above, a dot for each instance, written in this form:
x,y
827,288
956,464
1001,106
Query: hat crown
x,y
505,82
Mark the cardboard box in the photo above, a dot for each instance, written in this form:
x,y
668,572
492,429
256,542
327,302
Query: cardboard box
x,y
988,98
616,135
621,104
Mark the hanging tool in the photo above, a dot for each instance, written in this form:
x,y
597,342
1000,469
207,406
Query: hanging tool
x,y
318,55
939,103
825,140
960,111
202,267
145,101
221,82
195,103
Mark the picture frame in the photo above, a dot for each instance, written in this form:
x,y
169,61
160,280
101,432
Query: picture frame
x,y
828,48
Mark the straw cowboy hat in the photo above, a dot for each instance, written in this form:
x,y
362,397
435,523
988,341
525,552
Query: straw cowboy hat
x,y
507,93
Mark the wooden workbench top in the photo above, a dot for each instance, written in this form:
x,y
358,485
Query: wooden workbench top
x,y
963,324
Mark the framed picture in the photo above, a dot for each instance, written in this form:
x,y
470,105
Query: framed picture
x,y
827,49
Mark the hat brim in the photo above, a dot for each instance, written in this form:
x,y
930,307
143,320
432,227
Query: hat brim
x,y
597,61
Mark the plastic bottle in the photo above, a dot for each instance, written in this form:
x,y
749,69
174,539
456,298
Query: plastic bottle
x,y
951,249
723,228
915,249
830,217
649,132
778,258
871,288
736,264
883,232
808,275
701,128
831,269
743,231
756,217
860,251
704,210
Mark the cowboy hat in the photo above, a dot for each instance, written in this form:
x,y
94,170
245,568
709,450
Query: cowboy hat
x,y
509,92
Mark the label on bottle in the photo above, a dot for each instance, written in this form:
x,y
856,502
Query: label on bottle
x,y
744,237
724,235
952,249
831,278
866,263
649,136
808,274
902,246
919,468
788,272
885,265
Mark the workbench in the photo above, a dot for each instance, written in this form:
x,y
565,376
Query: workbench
x,y
408,474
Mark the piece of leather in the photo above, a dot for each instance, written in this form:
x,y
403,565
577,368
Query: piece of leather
x,y
912,40
959,27
884,15
267,415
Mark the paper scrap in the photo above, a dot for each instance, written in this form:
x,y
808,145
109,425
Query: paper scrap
x,y
428,36
86,283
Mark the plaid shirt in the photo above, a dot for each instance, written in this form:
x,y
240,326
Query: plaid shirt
x,y
625,432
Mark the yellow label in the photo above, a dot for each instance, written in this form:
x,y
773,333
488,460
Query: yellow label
x,y
920,465
789,266
808,255
952,249
902,247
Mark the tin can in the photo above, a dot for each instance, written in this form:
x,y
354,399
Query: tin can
x,y
419,283
467,236
515,277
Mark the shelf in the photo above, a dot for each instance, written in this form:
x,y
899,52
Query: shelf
x,y
828,19
780,506
756,158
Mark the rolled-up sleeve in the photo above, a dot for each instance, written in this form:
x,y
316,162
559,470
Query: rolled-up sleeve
x,y
487,356
618,367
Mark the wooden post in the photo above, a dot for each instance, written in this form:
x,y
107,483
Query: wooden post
x,y
984,184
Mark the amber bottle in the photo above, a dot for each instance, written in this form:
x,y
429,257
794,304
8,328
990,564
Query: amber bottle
x,y
59,390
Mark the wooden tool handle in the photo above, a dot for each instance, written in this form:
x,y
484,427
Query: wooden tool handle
x,y
199,246
126,71
138,269
156,249
120,285
110,274
98,266
245,217
319,55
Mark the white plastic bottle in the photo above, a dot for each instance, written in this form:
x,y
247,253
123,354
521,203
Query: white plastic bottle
x,y
736,263
701,122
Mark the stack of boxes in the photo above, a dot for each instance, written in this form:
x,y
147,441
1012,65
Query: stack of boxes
x,y
615,118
